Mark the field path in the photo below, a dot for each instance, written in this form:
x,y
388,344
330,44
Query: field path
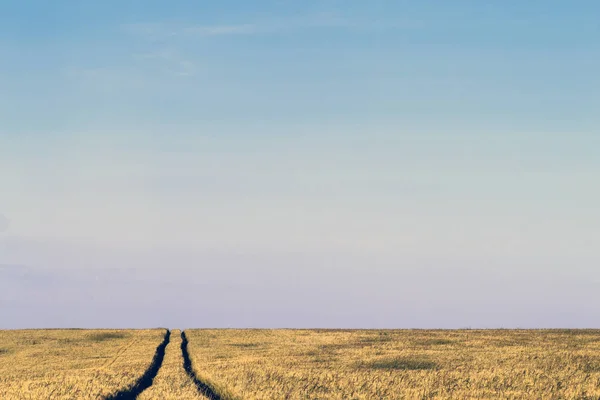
x,y
203,388
145,381
172,382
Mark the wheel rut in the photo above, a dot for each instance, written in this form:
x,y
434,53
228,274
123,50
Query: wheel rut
x,y
145,381
120,352
203,387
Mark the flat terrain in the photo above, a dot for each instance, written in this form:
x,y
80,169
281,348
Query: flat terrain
x,y
73,364
300,364
403,364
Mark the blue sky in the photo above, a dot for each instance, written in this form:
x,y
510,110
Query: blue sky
x,y
404,164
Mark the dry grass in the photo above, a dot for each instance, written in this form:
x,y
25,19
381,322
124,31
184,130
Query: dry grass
x,y
417,364
172,382
73,364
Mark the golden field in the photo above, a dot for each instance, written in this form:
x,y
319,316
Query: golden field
x,y
304,364
172,382
73,364
398,364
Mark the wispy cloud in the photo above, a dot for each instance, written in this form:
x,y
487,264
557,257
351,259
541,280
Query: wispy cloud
x,y
4,223
175,62
162,30
168,40
217,30
149,30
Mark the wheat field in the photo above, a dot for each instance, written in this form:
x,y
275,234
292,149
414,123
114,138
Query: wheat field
x,y
73,364
399,364
301,364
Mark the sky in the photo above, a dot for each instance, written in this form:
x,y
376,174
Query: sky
x,y
318,163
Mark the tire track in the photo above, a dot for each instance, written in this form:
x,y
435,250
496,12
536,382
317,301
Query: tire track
x,y
145,381
203,387
120,352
